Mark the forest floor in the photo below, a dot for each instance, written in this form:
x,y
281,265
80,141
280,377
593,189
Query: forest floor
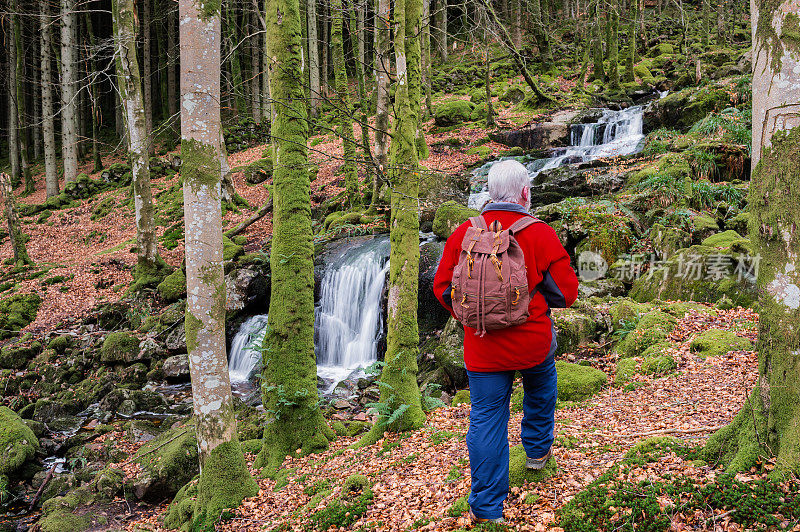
x,y
417,477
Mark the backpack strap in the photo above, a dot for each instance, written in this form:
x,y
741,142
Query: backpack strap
x,y
479,222
522,223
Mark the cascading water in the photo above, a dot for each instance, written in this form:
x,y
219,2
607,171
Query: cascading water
x,y
245,351
348,315
616,133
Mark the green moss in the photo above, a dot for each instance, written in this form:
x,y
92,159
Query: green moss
x,y
348,507
459,507
449,216
17,312
357,427
649,364
481,151
119,346
18,444
173,287
574,327
718,342
461,398
349,218
651,449
60,344
576,382
181,509
652,328
339,428
63,521
170,459
452,112
729,241
516,399
230,250
518,474
252,446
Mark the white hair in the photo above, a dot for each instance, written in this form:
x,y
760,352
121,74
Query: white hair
x,y
506,180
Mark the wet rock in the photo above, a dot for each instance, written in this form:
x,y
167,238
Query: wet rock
x,y
245,288
431,314
131,401
176,340
535,137
177,368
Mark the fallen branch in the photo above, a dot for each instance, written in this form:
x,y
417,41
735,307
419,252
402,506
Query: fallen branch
x,y
670,431
260,213
41,488
154,449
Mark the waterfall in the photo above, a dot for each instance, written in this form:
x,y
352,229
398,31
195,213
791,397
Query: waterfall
x,y
245,352
348,315
621,135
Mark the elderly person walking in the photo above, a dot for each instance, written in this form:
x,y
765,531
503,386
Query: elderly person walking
x,y
492,357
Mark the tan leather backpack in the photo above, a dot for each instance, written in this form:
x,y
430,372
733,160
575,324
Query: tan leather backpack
x,y
490,282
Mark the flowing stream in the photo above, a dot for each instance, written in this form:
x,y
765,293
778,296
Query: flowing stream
x,y
348,319
615,133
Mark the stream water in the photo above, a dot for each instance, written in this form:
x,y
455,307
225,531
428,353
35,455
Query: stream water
x,y
615,133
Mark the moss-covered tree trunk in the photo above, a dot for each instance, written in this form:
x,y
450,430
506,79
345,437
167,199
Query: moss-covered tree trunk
x,y
94,98
426,56
69,90
598,70
232,36
16,236
48,122
344,111
224,478
400,396
613,47
289,377
540,33
130,91
382,67
769,423
441,29
357,22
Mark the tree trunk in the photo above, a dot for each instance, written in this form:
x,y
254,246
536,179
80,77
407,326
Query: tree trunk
x,y
48,125
266,102
19,95
289,378
224,478
94,102
313,59
255,65
130,90
598,70
172,85
487,73
69,91
516,20
631,53
344,110
705,21
36,127
325,49
147,75
426,56
232,39
21,257
441,28
767,426
13,114
382,66
613,49
540,33
400,394
362,91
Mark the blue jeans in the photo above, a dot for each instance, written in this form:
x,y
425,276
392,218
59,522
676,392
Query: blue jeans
x,y
487,438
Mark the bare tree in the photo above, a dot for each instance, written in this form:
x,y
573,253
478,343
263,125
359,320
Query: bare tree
x,y
69,90
48,125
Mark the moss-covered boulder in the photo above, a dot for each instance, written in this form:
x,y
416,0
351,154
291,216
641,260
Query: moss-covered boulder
x,y
173,287
119,347
168,462
449,216
518,474
449,354
668,240
452,113
462,397
651,329
17,312
647,365
60,514
680,110
718,342
16,357
574,328
18,443
702,226
576,382
258,171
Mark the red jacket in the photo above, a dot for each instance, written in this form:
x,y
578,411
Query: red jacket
x,y
549,271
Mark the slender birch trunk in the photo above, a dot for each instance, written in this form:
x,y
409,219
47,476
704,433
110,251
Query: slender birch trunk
x,y
224,478
48,123
16,236
382,66
130,90
313,59
69,92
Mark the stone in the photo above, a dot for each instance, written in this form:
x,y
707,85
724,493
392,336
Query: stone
x,y
452,112
652,328
541,136
176,367
168,463
18,444
341,404
576,382
449,354
122,346
245,288
449,216
176,340
718,342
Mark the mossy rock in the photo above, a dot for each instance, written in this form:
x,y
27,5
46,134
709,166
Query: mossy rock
x,y
739,222
652,328
462,397
18,357
449,216
252,446
626,311
61,344
703,226
173,287
518,474
647,365
668,240
513,95
730,241
478,95
119,347
479,112
258,171
17,312
338,428
574,327
357,427
231,250
718,342
642,72
576,382
452,113
169,462
18,443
